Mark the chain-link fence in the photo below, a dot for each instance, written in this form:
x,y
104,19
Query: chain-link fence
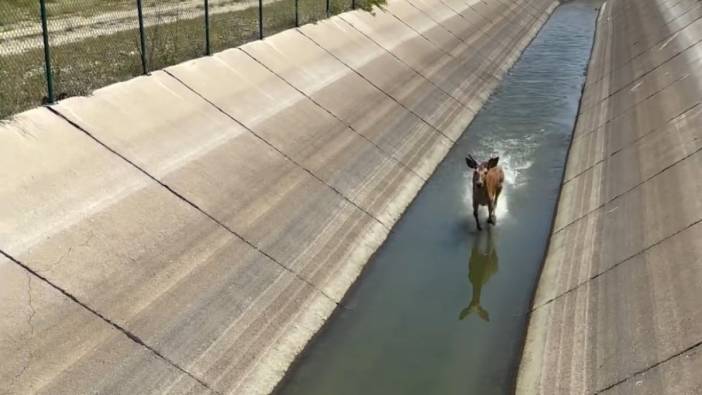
x,y
22,77
277,16
92,43
51,49
233,23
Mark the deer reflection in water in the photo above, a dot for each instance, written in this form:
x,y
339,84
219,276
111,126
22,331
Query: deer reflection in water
x,y
482,265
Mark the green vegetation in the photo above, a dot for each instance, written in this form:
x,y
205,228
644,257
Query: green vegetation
x,y
97,61
13,11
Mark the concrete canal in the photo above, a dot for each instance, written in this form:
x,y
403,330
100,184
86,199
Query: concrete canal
x,y
442,308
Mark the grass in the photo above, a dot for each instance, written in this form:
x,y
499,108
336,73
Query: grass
x,y
14,11
81,67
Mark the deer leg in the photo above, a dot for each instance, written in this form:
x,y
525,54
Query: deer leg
x,y
491,212
475,214
493,219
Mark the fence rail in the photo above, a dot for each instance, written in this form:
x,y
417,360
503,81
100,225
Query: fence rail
x,y
51,49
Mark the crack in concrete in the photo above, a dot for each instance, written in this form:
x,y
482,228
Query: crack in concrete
x,y
52,266
30,304
30,318
60,259
104,318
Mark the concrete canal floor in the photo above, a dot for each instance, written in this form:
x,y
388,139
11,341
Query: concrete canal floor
x,y
442,308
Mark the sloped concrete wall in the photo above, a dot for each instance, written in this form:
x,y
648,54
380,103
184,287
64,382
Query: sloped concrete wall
x,y
617,308
189,231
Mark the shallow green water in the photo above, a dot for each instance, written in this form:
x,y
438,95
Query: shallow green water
x,y
442,308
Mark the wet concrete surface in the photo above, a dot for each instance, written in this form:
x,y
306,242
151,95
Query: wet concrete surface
x,y
442,308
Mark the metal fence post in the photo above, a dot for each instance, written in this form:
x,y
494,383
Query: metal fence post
x,y
328,8
142,40
260,19
297,14
353,4
47,52
207,28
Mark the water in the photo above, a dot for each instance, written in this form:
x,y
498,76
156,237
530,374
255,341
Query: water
x,y
442,308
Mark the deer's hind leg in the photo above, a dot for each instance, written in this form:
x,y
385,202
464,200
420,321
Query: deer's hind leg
x,y
493,206
491,211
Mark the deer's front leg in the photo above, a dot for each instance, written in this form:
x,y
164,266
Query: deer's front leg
x,y
475,214
491,212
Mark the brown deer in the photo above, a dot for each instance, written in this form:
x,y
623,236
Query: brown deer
x,y
487,186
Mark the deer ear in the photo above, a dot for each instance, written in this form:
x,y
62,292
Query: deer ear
x,y
471,162
493,162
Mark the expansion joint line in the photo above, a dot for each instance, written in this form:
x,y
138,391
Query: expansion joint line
x,y
473,10
192,204
113,324
632,109
346,124
425,38
639,79
637,185
286,156
633,143
407,65
627,259
576,287
377,87
522,31
648,11
433,45
611,72
445,52
477,51
646,369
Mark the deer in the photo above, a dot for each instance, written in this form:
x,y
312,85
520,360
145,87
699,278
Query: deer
x,y
487,186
